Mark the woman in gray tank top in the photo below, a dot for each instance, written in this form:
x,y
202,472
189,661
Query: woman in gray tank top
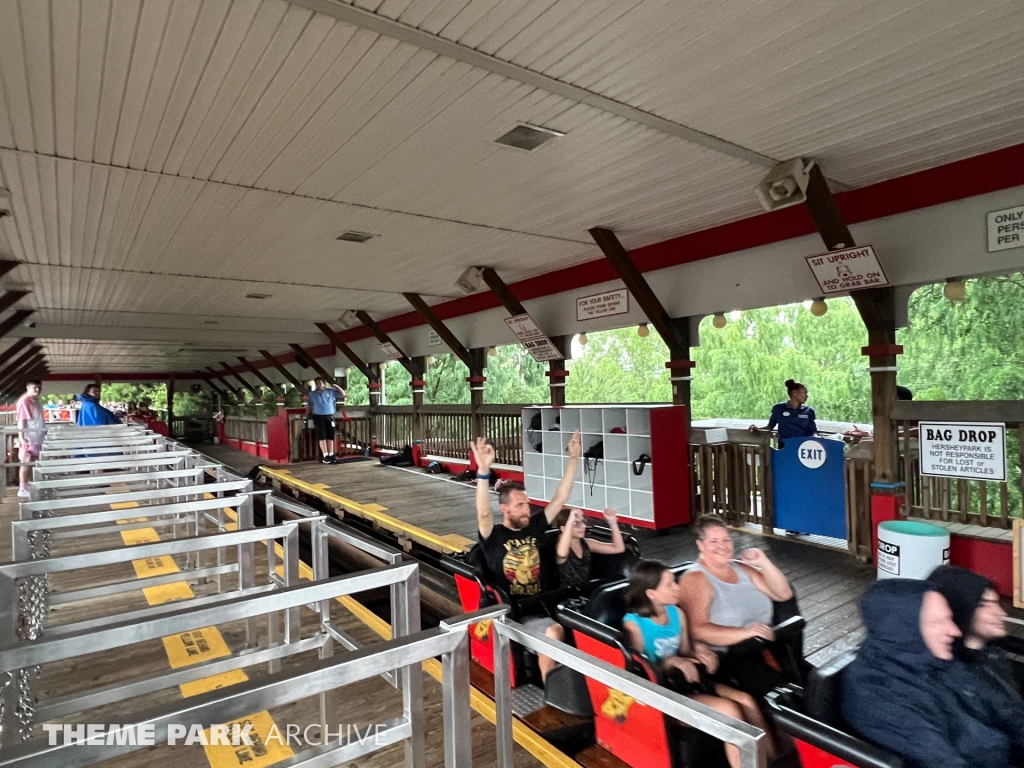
x,y
727,602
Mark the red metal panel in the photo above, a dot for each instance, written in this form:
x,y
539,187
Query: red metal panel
x,y
812,757
670,464
991,559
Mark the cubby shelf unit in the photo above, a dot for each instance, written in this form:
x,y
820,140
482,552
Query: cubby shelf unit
x,y
659,497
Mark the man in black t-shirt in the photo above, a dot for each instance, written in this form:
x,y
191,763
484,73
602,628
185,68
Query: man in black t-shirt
x,y
512,547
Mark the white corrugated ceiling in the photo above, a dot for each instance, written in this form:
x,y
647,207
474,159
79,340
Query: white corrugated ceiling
x,y
168,157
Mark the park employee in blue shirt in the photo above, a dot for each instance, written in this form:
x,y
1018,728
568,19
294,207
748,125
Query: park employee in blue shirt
x,y
794,418
321,405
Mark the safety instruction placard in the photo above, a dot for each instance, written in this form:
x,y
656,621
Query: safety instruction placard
x,y
964,450
530,336
602,304
1006,229
850,269
390,351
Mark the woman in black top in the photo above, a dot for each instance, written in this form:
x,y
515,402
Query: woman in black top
x,y
572,553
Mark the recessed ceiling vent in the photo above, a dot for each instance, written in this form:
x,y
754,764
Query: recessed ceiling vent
x,y
355,237
211,322
257,295
528,137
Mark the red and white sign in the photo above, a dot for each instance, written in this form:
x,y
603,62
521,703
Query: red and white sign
x,y
530,336
602,305
390,351
850,269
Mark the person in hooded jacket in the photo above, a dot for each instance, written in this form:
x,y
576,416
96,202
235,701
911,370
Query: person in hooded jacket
x,y
906,692
92,414
979,616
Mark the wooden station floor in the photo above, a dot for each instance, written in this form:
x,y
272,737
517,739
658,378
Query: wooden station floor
x,y
359,706
828,583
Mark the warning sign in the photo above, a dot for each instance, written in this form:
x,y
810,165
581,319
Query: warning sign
x,y
1006,229
390,351
530,336
848,270
433,340
888,557
602,305
969,451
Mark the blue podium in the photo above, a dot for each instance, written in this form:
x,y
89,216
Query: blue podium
x,y
809,487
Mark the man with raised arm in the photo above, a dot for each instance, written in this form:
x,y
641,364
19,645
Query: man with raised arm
x,y
512,547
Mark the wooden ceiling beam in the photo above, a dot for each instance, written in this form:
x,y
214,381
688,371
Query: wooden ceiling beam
x,y
675,334
298,350
220,377
231,372
209,381
383,338
14,349
346,350
14,321
498,287
10,298
259,375
282,370
437,324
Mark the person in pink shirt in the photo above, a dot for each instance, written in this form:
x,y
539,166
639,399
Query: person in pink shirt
x,y
31,424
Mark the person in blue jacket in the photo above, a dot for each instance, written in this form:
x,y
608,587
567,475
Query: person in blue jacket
x,y
92,414
908,693
794,417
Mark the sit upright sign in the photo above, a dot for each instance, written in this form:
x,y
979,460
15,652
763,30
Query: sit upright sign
x,y
966,451
848,270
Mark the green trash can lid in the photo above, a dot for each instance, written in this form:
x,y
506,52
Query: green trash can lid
x,y
911,528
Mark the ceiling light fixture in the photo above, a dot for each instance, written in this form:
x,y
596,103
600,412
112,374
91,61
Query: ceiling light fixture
x,y
955,289
348,319
643,331
355,237
719,320
257,295
528,137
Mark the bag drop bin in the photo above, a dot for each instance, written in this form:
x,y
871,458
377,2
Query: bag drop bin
x,y
910,550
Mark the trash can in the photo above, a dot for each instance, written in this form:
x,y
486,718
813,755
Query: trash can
x,y
910,550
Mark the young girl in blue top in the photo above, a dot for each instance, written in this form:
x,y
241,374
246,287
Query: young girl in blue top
x,y
657,628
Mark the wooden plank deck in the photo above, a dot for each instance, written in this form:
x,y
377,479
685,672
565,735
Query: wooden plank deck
x,y
371,701
828,583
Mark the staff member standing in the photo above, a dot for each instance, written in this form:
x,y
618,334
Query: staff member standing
x,y
793,417
321,405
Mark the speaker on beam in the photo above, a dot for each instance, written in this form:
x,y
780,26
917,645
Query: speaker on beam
x,y
785,185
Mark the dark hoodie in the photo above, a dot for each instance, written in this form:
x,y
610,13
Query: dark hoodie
x,y
963,591
899,696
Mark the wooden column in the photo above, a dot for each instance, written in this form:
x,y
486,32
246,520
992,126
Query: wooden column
x,y
170,405
374,383
877,309
418,387
558,371
476,389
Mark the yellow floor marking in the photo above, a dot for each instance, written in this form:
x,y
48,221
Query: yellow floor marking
x,y
262,752
140,536
195,647
168,593
124,505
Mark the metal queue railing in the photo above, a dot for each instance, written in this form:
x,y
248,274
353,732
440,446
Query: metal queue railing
x,y
751,741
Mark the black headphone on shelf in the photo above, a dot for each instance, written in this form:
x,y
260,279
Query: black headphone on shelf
x,y
640,463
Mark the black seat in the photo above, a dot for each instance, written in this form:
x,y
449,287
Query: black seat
x,y
813,717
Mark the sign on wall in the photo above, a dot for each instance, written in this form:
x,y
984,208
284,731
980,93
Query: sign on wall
x,y
966,451
1006,229
433,340
390,351
532,338
602,304
847,270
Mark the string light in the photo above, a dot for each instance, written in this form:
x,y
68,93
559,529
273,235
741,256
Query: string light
x,y
955,290
719,320
819,307
493,351
430,359
582,339
643,331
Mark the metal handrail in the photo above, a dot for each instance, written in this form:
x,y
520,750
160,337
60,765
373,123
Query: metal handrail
x,y
751,741
29,509
195,474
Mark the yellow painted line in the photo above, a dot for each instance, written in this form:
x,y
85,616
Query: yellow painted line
x,y
197,646
375,512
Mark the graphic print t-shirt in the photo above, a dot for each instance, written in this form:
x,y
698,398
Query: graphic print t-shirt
x,y
513,557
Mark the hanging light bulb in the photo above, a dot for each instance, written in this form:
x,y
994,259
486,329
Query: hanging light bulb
x,y
493,351
582,339
430,359
643,331
954,290
719,321
819,307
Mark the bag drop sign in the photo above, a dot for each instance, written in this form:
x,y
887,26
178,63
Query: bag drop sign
x,y
532,338
889,557
968,451
847,270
